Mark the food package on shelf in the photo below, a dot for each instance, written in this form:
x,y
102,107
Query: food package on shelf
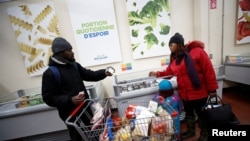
x,y
35,99
23,102
29,100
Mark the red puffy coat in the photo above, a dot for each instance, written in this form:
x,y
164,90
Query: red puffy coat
x,y
204,69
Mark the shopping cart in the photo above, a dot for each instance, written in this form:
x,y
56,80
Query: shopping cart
x,y
156,128
81,118
151,128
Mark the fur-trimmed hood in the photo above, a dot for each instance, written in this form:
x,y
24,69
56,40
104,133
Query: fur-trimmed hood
x,y
195,44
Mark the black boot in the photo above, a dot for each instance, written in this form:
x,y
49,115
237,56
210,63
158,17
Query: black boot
x,y
203,132
190,128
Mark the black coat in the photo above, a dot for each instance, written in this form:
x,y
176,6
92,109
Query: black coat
x,y
59,95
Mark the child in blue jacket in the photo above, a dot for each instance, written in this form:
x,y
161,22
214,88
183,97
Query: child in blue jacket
x,y
167,90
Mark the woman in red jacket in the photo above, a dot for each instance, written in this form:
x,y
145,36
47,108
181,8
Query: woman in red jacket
x,y
195,77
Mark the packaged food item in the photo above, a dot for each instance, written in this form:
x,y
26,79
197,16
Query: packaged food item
x,y
117,123
104,135
130,111
159,130
23,102
159,125
123,134
125,121
35,99
98,112
98,124
104,114
161,112
107,134
152,106
142,122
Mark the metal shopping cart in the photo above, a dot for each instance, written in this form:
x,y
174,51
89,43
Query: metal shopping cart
x,y
81,118
136,129
159,127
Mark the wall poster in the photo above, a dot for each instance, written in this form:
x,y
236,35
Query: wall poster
x,y
243,22
149,22
35,26
95,31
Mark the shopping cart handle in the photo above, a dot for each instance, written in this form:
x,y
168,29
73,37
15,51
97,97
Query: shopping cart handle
x,y
77,109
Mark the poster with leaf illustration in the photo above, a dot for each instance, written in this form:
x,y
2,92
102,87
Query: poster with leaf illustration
x,y
150,27
35,26
243,22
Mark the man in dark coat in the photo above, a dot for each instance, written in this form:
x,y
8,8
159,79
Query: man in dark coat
x,y
65,94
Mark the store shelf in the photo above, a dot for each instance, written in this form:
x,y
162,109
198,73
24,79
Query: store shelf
x,y
237,68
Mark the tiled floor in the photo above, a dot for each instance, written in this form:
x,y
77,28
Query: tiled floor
x,y
239,98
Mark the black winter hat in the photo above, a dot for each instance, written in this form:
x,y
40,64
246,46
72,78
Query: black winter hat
x,y
177,38
59,44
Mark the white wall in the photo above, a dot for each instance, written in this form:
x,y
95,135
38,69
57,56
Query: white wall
x,y
193,18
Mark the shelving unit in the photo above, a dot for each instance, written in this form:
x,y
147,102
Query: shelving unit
x,y
237,68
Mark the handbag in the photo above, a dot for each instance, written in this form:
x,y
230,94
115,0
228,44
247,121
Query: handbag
x,y
218,113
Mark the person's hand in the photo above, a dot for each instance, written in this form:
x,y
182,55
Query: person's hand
x,y
152,73
212,94
77,99
108,74
109,71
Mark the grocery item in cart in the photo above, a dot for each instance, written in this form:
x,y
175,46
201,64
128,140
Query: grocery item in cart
x,y
167,107
107,135
143,124
161,125
98,117
97,111
158,128
134,110
89,132
123,134
140,125
130,111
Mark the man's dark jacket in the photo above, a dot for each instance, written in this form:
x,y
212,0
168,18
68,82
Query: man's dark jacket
x,y
59,95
